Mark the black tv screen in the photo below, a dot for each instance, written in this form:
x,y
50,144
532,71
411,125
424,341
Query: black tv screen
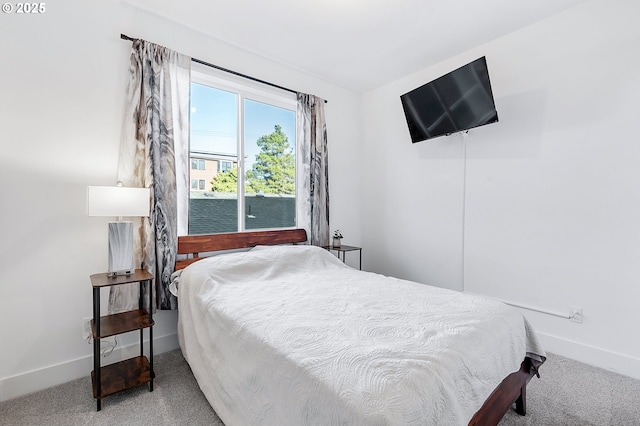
x,y
457,101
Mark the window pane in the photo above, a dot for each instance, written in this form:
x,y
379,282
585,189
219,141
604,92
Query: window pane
x,y
224,166
269,150
213,135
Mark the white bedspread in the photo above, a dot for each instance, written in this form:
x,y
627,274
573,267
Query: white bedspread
x,y
289,335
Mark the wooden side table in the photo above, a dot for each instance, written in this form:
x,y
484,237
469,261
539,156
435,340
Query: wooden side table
x,y
131,372
343,249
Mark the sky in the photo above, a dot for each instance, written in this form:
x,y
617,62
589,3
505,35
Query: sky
x,y
214,119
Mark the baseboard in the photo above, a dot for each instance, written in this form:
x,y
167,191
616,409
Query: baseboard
x,y
32,381
592,355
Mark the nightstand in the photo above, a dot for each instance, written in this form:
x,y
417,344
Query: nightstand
x,y
343,249
109,379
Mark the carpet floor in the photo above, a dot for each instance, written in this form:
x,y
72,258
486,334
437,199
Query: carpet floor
x,y
568,393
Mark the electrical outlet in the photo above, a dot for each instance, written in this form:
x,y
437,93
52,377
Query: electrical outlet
x,y
575,314
87,331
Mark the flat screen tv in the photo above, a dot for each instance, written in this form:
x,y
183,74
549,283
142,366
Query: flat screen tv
x,y
457,101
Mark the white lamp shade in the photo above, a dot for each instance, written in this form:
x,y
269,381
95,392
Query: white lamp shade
x,y
117,201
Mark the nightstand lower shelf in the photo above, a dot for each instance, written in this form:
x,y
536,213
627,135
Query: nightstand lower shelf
x,y
122,375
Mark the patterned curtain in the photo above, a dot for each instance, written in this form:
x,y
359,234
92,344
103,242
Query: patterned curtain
x,y
155,138
313,189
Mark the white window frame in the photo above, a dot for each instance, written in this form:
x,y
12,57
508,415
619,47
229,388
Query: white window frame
x,y
247,89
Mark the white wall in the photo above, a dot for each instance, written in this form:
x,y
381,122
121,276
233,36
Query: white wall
x,y
63,79
550,207
544,207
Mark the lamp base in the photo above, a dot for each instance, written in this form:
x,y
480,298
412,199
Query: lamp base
x,y
120,249
114,274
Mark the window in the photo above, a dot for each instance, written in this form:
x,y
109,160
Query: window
x,y
224,166
197,164
250,132
197,184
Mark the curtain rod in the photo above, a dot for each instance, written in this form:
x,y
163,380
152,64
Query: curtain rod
x,y
126,37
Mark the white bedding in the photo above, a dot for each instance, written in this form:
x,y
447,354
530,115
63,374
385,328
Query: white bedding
x,y
289,335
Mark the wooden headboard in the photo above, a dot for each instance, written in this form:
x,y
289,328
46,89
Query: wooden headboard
x,y
193,245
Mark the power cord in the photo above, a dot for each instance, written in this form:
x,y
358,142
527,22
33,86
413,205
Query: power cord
x,y
108,347
108,350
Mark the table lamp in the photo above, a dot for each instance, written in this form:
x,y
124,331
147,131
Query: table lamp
x,y
119,201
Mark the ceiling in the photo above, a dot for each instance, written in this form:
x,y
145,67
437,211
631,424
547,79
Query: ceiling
x,y
356,44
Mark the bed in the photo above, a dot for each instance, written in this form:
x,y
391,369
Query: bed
x,y
287,334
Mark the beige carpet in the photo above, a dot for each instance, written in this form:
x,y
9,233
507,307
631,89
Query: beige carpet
x,y
570,393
